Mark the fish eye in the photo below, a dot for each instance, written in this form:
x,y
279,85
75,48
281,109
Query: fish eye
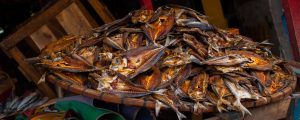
x,y
137,61
162,20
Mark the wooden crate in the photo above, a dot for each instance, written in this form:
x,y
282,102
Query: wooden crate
x,y
61,18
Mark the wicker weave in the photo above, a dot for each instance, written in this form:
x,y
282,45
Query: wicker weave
x,y
149,103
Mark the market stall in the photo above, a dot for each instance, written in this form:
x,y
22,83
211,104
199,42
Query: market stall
x,y
148,64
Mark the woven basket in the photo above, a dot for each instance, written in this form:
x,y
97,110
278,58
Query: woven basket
x,y
149,103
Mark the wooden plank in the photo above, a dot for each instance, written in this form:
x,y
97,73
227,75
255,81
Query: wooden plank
x,y
42,37
102,11
86,14
31,73
56,28
74,21
33,24
275,10
24,73
31,44
292,10
213,9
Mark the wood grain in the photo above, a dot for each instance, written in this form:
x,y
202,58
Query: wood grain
x,y
102,11
42,37
73,21
33,24
30,72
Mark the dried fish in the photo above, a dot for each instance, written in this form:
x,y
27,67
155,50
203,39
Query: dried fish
x,y
172,54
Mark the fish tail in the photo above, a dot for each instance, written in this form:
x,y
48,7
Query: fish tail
x,y
198,105
43,78
158,105
180,115
220,107
241,108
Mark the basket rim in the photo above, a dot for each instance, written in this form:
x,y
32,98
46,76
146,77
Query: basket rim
x,y
148,103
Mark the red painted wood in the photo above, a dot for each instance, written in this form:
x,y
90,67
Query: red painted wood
x,y
292,14
146,4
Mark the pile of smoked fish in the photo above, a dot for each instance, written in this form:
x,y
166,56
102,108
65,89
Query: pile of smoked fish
x,y
172,55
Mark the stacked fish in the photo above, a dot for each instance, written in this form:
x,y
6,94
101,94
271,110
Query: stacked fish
x,y
13,105
172,55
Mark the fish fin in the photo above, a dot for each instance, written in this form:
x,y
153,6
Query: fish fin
x,y
169,42
265,99
208,103
43,78
266,42
241,108
195,60
160,91
158,105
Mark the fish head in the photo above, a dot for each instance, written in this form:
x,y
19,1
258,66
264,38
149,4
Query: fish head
x,y
65,44
161,26
141,16
256,61
134,40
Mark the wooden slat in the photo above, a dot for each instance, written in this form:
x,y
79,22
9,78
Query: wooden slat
x,y
74,21
292,11
213,9
56,28
24,73
86,14
275,9
31,44
42,37
31,73
102,11
62,17
33,24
